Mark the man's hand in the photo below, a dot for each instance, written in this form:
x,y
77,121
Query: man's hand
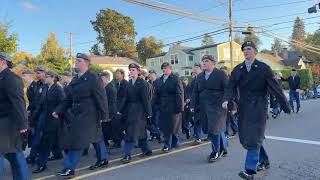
x,y
55,115
22,131
225,105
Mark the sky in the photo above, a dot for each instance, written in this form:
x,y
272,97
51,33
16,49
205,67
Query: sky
x,y
33,20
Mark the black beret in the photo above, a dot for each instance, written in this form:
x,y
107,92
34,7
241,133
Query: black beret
x,y
248,43
40,69
27,72
134,65
66,73
209,57
165,64
83,56
197,65
293,70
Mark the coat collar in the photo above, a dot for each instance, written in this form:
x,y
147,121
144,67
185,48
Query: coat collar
x,y
254,65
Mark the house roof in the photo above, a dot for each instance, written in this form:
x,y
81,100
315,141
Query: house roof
x,y
188,50
110,60
274,60
293,60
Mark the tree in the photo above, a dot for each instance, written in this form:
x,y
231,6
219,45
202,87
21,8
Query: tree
x,y
53,54
313,40
298,34
207,40
8,42
148,47
116,33
276,47
238,39
21,57
251,36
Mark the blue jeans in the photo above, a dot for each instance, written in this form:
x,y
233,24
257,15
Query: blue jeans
x,y
142,143
231,123
197,130
101,150
37,138
18,165
294,95
171,141
224,142
72,158
215,142
255,156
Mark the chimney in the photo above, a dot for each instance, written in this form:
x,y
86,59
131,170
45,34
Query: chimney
x,y
284,53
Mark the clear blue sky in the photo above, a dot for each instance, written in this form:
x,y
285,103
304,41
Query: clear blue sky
x,y
32,20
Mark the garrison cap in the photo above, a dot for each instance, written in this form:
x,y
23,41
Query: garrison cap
x,y
39,69
66,73
209,57
83,56
152,72
7,58
134,65
51,73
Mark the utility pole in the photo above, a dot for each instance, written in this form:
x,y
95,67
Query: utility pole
x,y
230,33
70,50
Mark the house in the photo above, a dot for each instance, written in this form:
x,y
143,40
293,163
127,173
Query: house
x,y
294,59
275,62
183,58
113,62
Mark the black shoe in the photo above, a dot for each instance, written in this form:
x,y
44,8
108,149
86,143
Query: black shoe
x,y
39,169
206,139
298,109
99,164
263,166
53,158
196,142
148,153
165,150
66,173
224,153
126,159
246,175
213,157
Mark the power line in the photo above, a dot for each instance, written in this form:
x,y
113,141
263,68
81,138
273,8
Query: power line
x,y
273,5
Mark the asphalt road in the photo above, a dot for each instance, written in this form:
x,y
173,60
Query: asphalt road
x,y
293,145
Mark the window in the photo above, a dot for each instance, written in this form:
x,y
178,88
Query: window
x,y
226,53
161,60
202,53
174,59
186,73
190,58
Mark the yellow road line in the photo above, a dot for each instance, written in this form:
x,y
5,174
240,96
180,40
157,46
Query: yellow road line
x,y
138,161
112,161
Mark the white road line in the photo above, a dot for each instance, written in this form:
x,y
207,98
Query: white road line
x,y
293,140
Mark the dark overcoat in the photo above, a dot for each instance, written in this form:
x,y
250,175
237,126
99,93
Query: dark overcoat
x,y
169,95
13,114
88,102
208,96
253,88
138,105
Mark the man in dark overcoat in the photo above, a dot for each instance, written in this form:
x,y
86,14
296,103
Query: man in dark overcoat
x,y
254,80
208,95
13,120
169,96
89,106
